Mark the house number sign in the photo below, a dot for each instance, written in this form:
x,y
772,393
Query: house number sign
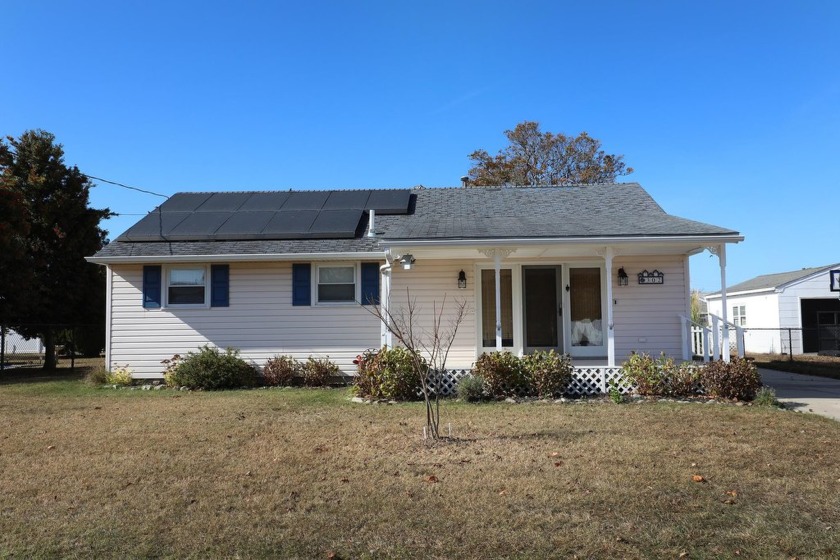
x,y
654,277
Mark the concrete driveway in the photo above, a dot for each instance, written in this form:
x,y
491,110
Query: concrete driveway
x,y
805,393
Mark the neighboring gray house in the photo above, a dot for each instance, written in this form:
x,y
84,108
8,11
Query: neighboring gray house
x,y
789,310
597,271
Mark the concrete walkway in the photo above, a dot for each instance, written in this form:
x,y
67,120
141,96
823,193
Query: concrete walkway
x,y
805,393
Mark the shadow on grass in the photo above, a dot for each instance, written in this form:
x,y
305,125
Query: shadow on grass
x,y
23,375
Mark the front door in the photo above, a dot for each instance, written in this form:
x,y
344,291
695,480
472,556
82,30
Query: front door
x,y
543,312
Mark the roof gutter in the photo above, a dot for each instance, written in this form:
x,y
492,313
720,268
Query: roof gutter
x,y
705,239
261,257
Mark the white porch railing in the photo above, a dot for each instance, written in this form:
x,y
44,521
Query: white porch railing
x,y
702,340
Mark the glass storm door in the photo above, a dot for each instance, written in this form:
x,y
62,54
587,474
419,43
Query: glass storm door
x,y
587,329
542,308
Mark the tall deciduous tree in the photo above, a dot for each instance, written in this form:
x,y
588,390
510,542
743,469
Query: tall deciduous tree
x,y
533,157
61,230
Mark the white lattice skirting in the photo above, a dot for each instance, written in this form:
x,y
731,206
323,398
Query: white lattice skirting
x,y
586,381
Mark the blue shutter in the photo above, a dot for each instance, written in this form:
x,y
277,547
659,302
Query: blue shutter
x,y
370,283
301,284
219,285
151,286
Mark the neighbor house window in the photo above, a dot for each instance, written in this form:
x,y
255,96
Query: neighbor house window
x,y
336,284
739,315
186,286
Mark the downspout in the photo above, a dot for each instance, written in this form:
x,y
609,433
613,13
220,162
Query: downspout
x,y
724,352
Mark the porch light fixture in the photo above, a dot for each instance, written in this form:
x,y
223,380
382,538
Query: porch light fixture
x,y
407,260
623,279
462,280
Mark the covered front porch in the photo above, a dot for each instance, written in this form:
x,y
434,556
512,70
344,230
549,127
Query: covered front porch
x,y
596,302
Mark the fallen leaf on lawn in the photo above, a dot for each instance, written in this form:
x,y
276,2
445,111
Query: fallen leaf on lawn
x,y
729,501
693,464
555,454
345,480
698,478
503,492
732,493
683,554
50,447
431,478
558,464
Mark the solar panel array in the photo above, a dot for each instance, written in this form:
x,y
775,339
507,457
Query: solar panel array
x,y
266,215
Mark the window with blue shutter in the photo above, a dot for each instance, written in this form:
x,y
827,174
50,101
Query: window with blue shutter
x,y
301,284
370,283
219,285
152,286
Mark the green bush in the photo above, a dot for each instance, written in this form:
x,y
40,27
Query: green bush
x,y
388,373
547,373
318,372
210,369
766,396
738,379
645,372
471,388
502,373
97,376
281,371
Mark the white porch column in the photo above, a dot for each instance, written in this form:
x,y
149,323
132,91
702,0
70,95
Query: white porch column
x,y
608,260
385,303
722,258
497,262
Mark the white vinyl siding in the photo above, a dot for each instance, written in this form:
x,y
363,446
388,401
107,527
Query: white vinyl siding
x,y
260,321
646,316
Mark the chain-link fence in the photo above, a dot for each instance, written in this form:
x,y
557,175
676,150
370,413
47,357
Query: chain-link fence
x,y
792,341
19,350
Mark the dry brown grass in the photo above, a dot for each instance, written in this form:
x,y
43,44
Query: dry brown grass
x,y
302,473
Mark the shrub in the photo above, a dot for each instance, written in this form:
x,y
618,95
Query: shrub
x,y
646,373
615,393
210,369
471,388
682,380
502,373
317,372
120,375
766,396
547,373
281,371
388,373
97,376
738,379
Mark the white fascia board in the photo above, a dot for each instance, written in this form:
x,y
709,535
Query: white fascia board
x,y
355,256
705,239
743,293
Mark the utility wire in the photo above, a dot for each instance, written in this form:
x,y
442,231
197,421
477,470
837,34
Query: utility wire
x,y
126,186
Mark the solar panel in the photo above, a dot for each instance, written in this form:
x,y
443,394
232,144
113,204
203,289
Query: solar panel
x,y
244,225
184,202
224,202
153,225
345,200
313,200
265,201
199,226
336,224
390,202
290,224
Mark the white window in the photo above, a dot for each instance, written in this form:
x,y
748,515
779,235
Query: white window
x,y
336,284
739,315
186,286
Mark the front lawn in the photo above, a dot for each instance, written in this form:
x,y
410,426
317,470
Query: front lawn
x,y
305,473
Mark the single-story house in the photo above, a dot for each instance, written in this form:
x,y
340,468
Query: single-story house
x,y
796,311
596,271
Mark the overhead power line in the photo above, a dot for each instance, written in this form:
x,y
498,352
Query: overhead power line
x,y
126,186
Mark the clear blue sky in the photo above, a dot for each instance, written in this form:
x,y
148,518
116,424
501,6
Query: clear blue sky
x,y
728,111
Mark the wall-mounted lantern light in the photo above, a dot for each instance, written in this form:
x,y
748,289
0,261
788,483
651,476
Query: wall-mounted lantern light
x,y
622,277
462,280
407,261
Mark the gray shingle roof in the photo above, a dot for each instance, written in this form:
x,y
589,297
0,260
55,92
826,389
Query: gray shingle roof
x,y
620,210
773,281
